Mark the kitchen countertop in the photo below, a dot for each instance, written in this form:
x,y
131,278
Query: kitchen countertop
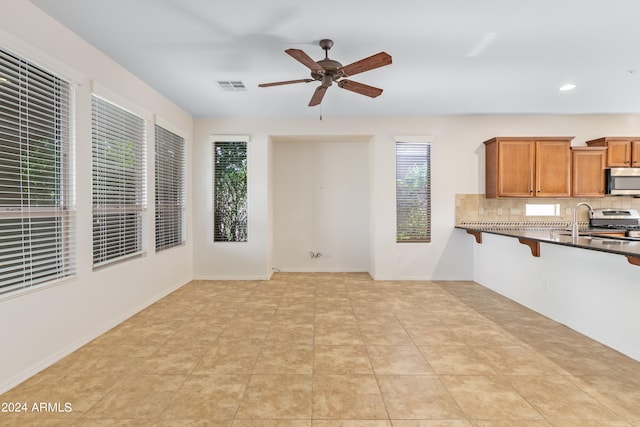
x,y
587,239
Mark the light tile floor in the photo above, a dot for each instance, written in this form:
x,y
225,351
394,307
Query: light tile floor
x,y
336,350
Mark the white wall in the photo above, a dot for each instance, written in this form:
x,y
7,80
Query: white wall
x,y
457,167
594,293
321,204
387,259
43,325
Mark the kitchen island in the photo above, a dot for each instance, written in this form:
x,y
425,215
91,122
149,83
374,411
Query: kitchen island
x,y
590,284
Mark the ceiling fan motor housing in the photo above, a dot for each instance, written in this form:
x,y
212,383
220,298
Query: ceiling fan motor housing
x,y
327,80
327,71
332,69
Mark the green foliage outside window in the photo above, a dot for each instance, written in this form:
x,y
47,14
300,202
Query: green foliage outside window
x,y
413,192
230,192
40,165
411,189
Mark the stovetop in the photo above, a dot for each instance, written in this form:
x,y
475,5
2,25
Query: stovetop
x,y
632,232
621,227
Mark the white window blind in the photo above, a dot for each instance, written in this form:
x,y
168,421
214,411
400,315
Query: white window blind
x,y
413,192
118,172
170,188
230,191
37,206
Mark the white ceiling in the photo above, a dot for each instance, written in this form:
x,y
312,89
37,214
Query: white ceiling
x,y
449,56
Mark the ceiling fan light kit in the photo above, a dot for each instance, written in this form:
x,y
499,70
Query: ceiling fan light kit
x,y
327,71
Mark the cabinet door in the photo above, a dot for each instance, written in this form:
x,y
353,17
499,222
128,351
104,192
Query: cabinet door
x,y
618,154
516,165
635,153
553,169
587,171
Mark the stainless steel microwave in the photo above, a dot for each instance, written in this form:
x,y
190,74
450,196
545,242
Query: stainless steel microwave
x,y
623,181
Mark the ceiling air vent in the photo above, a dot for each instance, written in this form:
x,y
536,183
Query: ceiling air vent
x,y
231,85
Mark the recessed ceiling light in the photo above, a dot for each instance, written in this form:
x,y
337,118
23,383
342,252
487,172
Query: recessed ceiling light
x,y
568,86
3,80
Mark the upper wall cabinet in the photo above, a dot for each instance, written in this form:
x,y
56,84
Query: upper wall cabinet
x,y
528,167
622,152
587,171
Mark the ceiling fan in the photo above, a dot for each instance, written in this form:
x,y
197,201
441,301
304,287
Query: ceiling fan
x,y
327,71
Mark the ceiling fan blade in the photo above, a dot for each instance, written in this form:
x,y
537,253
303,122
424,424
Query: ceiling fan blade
x,y
286,82
305,60
374,61
317,96
360,88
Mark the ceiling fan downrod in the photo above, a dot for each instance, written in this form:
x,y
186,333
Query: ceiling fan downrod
x,y
326,44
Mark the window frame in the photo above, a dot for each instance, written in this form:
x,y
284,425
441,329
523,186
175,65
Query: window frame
x,y
128,209
167,174
242,140
36,121
421,147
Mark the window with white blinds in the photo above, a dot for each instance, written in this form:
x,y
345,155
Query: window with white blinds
x,y
170,189
413,192
118,182
37,206
230,191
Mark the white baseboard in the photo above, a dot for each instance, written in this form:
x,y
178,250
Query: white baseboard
x,y
215,277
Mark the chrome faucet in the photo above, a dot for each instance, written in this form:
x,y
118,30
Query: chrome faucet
x,y
574,226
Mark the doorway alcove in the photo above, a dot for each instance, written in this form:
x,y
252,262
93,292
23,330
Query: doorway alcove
x,y
321,203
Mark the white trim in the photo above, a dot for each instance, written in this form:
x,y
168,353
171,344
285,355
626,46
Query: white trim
x,y
19,292
215,277
113,97
229,138
166,124
222,138
40,58
415,138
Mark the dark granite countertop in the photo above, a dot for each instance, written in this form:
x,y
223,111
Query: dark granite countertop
x,y
587,239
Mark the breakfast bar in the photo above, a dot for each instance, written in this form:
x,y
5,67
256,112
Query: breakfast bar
x,y
594,239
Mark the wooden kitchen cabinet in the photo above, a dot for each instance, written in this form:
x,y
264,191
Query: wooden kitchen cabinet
x,y
528,167
622,152
588,171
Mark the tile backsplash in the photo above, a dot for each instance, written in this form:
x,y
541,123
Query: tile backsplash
x,y
473,208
